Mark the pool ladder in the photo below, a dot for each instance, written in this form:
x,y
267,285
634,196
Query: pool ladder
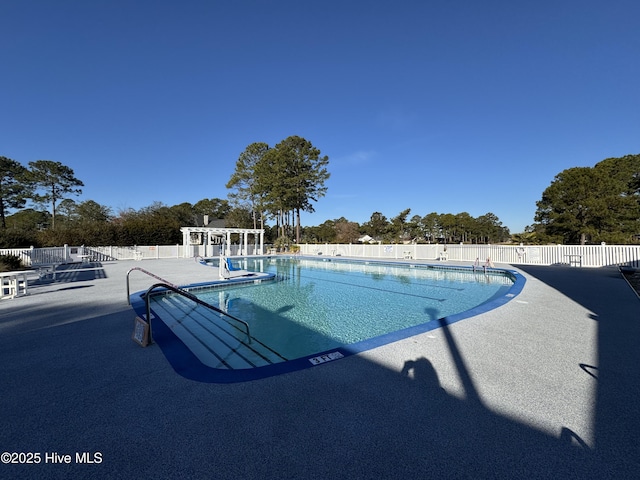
x,y
174,288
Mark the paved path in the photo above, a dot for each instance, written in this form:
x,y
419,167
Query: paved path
x,y
546,386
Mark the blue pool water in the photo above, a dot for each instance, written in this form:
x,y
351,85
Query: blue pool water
x,y
315,311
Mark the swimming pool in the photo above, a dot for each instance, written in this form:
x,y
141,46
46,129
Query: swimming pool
x,y
315,311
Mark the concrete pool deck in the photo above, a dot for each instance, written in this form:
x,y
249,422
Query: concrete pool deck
x,y
546,386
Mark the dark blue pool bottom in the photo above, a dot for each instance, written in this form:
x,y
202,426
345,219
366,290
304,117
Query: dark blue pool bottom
x,y
186,364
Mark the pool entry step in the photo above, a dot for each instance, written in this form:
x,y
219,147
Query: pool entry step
x,y
216,340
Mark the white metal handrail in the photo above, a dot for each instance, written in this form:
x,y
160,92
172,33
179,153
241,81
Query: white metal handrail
x,y
192,297
148,273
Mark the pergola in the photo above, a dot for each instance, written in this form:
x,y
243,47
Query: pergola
x,y
209,236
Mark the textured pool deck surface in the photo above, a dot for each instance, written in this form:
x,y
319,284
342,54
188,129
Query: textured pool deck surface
x,y
546,386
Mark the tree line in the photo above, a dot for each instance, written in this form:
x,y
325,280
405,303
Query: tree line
x,y
280,181
431,228
45,181
591,205
582,205
89,223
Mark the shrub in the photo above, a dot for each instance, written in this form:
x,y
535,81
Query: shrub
x,y
9,262
16,238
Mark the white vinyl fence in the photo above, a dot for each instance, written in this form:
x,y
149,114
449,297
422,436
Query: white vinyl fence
x,y
586,256
67,254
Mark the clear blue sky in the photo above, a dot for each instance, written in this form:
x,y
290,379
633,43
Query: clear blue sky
x,y
448,107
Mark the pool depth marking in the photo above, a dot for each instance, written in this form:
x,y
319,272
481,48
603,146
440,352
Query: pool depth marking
x,y
326,358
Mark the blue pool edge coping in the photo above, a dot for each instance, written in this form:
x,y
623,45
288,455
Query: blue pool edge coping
x,y
188,365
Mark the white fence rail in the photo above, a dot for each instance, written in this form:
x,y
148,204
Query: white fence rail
x,y
587,255
67,254
40,256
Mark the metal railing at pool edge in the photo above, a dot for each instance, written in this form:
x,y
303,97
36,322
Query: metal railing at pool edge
x,y
178,290
148,273
191,297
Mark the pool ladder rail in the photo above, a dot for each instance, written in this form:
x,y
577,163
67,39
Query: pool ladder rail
x,y
488,264
174,288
